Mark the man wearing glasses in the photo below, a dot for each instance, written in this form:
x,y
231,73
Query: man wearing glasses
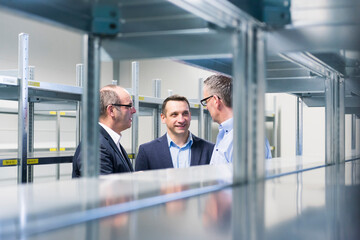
x,y
116,110
218,100
178,148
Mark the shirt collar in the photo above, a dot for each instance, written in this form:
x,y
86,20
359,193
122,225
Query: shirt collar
x,y
114,135
227,125
172,143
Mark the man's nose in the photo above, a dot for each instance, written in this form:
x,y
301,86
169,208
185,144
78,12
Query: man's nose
x,y
181,118
133,110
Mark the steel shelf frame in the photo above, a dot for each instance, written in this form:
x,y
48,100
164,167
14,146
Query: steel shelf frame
x,y
115,26
246,40
20,86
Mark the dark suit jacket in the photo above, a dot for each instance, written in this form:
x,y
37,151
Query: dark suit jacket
x,y
111,161
156,154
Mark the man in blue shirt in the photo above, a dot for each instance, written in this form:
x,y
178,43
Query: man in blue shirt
x,y
218,100
178,148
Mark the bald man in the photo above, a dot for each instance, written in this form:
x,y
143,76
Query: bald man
x,y
116,110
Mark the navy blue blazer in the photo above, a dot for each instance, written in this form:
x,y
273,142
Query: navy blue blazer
x,y
156,154
111,161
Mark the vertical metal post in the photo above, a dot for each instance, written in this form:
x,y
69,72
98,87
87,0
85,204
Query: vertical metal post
x,y
259,107
201,121
135,118
31,140
90,114
79,82
57,171
335,119
341,119
275,131
240,99
336,126
299,126
357,134
353,132
157,111
208,127
249,96
23,73
329,125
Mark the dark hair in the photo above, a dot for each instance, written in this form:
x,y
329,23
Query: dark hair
x,y
173,98
108,96
221,86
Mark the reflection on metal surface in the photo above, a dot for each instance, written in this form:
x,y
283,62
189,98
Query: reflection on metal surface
x,y
217,212
311,203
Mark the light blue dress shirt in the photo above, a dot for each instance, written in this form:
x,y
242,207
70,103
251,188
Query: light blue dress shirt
x,y
223,150
267,149
181,156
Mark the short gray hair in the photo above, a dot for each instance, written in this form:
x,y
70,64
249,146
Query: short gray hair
x,y
108,96
220,86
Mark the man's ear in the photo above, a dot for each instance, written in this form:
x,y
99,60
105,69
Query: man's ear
x,y
162,116
217,101
110,110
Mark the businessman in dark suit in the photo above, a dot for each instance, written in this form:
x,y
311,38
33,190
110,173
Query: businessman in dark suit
x,y
116,110
178,148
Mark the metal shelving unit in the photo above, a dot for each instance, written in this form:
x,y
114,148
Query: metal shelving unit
x,y
284,33
234,36
53,97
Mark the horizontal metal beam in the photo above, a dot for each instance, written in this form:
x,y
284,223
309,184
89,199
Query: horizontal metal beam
x,y
198,44
296,85
316,38
319,101
221,13
288,73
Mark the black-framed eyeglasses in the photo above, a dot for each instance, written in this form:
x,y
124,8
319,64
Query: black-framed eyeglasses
x,y
204,101
123,105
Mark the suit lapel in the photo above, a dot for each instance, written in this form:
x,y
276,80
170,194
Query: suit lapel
x,y
195,152
164,156
126,158
115,148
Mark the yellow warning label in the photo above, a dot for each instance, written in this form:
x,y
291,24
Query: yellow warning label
x,y
53,149
141,98
62,149
196,105
10,162
62,113
131,156
34,84
52,112
33,161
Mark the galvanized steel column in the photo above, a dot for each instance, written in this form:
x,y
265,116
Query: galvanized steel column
x,y
249,98
79,82
353,132
135,117
341,119
201,121
329,119
23,74
90,106
157,111
299,126
30,168
57,171
334,119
